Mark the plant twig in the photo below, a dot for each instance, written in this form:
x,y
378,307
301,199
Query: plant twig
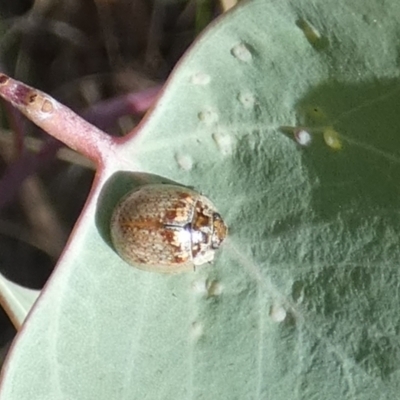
x,y
57,119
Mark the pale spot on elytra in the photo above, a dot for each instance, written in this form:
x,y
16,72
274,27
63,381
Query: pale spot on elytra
x,y
277,313
241,52
200,78
247,99
224,142
184,161
209,116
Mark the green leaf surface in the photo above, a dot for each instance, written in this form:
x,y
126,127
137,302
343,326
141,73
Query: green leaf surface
x,y
302,301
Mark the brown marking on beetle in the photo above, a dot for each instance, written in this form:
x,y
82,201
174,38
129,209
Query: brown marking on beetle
x,y
185,196
197,249
170,236
166,228
179,260
220,228
179,212
200,221
171,214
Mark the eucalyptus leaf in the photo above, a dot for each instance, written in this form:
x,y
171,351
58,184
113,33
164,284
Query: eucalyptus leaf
x,y
302,300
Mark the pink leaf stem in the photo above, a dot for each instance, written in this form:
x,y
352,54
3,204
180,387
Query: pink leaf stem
x,y
104,113
57,119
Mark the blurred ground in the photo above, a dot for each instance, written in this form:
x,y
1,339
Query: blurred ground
x,y
81,52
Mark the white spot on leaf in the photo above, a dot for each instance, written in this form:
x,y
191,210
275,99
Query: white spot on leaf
x,y
196,330
208,116
302,137
184,161
247,99
277,313
332,138
200,78
214,288
241,52
224,142
199,286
